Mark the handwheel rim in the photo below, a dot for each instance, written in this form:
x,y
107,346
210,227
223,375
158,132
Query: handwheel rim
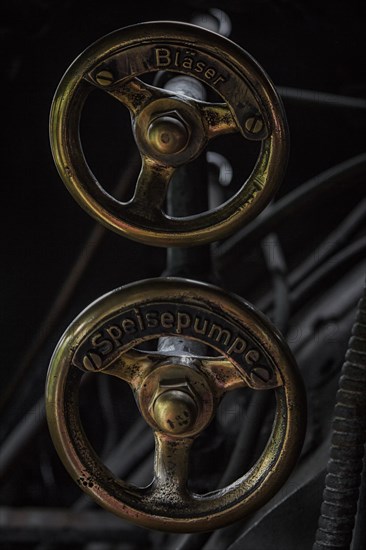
x,y
204,512
202,228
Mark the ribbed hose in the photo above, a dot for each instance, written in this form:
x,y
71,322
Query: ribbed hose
x,y
342,482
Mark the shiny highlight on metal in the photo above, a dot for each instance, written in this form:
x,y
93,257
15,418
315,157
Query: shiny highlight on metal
x,y
250,106
177,396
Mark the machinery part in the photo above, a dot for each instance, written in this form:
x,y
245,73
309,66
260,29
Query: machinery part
x,y
343,479
170,129
214,20
177,396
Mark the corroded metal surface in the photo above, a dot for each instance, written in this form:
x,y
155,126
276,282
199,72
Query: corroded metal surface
x,y
170,129
104,339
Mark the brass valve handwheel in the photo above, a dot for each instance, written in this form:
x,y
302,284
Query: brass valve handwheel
x,y
177,396
170,129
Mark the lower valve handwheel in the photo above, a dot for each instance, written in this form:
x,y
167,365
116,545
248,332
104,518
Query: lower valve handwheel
x,y
177,395
170,129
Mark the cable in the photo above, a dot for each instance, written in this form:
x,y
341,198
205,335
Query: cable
x,y
133,448
331,244
305,290
348,171
87,251
347,257
276,265
324,250
321,98
242,455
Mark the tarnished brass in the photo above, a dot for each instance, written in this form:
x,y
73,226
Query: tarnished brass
x,y
104,78
177,396
254,125
170,129
191,390
167,134
175,411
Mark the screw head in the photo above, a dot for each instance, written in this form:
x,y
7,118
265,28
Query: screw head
x,y
167,135
254,125
174,411
261,373
104,78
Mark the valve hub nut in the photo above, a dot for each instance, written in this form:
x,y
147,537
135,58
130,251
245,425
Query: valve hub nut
x,y
167,135
175,411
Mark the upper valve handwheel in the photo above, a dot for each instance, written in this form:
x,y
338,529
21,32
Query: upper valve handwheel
x,y
170,129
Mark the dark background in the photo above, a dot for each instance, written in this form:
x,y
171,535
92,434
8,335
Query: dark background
x,y
301,44
312,45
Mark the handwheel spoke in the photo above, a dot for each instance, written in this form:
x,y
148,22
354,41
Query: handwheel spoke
x,y
224,374
133,93
131,366
171,467
151,189
217,118
171,127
